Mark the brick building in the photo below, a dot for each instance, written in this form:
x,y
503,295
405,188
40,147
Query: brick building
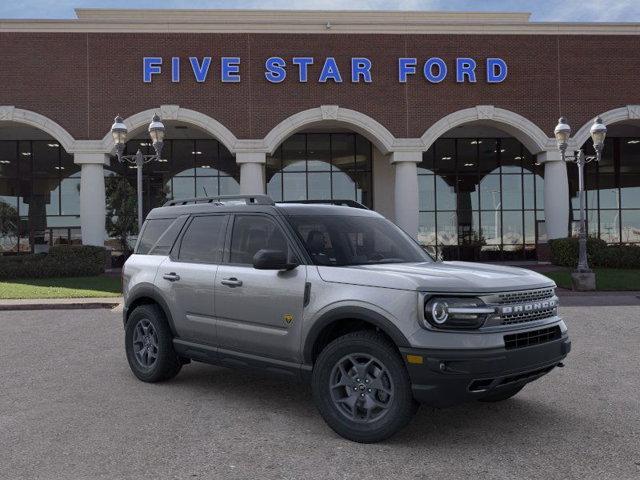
x,y
443,122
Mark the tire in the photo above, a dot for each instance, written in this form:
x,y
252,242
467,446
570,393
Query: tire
x,y
147,328
501,395
354,408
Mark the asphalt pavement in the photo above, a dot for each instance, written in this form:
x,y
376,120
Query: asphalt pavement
x,y
70,408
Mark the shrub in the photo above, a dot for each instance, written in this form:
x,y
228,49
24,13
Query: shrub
x,y
564,252
61,261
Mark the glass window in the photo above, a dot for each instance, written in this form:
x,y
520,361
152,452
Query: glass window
x,y
8,159
204,240
318,152
321,166
629,155
252,233
152,231
630,226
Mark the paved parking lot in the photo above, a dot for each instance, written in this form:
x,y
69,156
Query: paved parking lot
x,y
70,408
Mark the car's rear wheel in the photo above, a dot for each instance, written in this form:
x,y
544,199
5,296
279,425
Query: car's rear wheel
x,y
502,394
149,345
362,388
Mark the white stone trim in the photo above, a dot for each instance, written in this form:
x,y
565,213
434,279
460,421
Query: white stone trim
x,y
617,115
382,138
175,112
516,125
9,113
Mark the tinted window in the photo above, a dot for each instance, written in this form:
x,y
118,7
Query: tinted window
x,y
153,229
353,240
204,240
252,233
168,238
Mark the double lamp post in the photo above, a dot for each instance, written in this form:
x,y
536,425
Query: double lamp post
x,y
583,277
156,132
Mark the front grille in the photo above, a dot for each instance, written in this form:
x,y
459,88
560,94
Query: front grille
x,y
525,296
534,337
522,317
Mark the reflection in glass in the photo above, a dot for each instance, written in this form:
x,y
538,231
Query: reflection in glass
x,y
321,166
485,202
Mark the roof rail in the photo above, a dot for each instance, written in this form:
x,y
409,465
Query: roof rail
x,y
343,203
222,199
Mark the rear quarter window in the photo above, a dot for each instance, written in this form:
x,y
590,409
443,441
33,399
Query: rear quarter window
x,y
159,235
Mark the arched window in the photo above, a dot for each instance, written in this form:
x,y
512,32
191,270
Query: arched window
x,y
480,199
320,166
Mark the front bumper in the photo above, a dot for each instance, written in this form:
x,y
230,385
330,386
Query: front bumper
x,y
447,377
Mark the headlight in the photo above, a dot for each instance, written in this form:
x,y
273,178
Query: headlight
x,y
456,312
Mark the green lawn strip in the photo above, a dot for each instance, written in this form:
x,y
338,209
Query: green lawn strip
x,y
606,278
73,287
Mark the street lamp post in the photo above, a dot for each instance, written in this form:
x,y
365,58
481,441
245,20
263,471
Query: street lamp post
x,y
598,133
156,132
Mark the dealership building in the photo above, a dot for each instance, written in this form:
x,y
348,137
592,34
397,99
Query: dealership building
x,y
442,122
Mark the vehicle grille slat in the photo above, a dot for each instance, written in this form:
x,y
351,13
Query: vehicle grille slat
x,y
526,296
534,337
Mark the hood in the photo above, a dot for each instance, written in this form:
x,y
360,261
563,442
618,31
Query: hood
x,y
450,277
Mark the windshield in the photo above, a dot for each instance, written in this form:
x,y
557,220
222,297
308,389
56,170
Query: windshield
x,y
340,240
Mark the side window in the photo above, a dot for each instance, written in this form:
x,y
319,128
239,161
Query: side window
x,y
252,233
153,229
168,238
204,240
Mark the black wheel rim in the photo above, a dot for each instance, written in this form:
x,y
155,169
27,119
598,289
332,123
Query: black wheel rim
x,y
361,388
145,343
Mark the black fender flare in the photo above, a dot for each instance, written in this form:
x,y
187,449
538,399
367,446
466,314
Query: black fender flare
x,y
356,313
147,290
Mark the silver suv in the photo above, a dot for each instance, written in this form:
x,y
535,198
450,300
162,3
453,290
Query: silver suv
x,y
338,296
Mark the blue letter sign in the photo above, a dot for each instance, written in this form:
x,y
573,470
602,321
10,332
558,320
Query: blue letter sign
x,y
434,69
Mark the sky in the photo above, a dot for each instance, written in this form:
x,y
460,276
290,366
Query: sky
x,y
542,10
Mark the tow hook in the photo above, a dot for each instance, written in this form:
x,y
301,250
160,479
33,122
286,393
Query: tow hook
x,y
560,365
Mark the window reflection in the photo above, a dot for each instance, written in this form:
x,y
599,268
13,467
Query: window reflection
x,y
321,166
480,199
612,192
39,196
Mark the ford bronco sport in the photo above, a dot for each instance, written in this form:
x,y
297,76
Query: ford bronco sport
x,y
338,296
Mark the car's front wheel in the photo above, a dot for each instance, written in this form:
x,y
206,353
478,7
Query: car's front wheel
x,y
149,345
361,387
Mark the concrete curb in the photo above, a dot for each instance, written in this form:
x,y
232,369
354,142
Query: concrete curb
x,y
59,304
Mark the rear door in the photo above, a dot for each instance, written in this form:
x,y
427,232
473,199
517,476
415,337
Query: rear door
x,y
259,311
187,277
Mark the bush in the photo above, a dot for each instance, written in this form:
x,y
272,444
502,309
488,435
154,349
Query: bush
x,y
61,261
564,252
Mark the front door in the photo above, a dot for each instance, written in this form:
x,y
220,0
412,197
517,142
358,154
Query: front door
x,y
187,278
259,311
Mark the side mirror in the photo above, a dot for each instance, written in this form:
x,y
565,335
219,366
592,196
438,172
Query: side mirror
x,y
272,260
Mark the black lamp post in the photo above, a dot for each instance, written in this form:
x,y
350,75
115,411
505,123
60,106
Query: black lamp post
x,y
598,133
156,132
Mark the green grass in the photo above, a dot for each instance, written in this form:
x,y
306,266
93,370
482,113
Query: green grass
x,y
606,278
73,287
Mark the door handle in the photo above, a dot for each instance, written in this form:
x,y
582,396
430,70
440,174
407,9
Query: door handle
x,y
172,277
231,282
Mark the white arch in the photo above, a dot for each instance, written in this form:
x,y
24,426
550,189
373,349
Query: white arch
x,y
177,113
9,113
382,138
617,115
529,134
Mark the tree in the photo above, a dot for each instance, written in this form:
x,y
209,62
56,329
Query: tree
x,y
122,212
9,222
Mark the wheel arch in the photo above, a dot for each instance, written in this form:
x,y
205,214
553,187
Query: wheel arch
x,y
147,295
348,318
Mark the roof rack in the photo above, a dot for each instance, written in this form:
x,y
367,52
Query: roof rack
x,y
222,199
343,203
